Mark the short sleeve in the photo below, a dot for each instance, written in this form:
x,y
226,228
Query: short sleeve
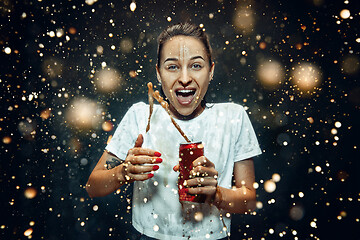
x,y
246,145
125,135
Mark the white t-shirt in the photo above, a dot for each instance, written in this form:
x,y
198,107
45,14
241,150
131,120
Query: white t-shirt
x,y
227,135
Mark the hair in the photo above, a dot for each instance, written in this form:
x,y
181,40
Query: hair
x,y
184,29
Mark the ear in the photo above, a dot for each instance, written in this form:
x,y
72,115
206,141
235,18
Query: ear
x,y
211,73
158,74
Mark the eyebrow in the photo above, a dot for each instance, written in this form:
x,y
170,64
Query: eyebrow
x,y
196,57
175,59
170,59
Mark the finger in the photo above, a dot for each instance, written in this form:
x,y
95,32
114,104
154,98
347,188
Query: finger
x,y
208,190
139,141
144,151
203,161
201,171
139,169
138,177
200,182
176,168
143,160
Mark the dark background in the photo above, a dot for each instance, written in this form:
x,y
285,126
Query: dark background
x,y
49,155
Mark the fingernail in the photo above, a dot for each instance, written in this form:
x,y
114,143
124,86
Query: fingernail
x,y
174,168
157,154
150,175
158,160
156,167
186,190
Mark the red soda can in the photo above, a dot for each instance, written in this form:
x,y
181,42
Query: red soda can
x,y
188,152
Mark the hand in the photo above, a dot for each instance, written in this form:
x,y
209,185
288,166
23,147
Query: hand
x,y
203,178
140,162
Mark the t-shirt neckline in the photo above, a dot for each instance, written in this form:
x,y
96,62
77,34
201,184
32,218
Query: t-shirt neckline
x,y
199,117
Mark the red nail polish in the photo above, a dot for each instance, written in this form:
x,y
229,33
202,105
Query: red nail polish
x,y
156,167
157,154
158,160
150,175
186,190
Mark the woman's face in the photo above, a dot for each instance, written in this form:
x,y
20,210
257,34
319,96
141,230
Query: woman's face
x,y
184,73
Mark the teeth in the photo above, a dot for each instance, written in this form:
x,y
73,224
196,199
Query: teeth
x,y
185,91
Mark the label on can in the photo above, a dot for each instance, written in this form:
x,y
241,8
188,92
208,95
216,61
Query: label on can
x,y
188,152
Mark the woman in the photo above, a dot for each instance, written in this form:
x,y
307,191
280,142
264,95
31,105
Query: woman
x,y
184,70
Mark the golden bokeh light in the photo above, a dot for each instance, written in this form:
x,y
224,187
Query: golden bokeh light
x,y
345,14
259,205
270,74
84,113
30,193
90,2
276,177
107,80
133,73
27,127
109,139
350,65
7,140
296,213
72,30
198,216
243,19
126,45
132,6
100,50
306,77
107,126
52,67
45,114
318,2
28,232
270,186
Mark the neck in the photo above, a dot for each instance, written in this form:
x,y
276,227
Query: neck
x,y
194,114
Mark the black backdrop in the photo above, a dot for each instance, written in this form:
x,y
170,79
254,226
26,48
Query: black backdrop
x,y
52,49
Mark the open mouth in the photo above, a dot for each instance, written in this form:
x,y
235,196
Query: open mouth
x,y
185,96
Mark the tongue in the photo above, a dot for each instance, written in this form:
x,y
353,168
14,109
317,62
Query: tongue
x,y
185,99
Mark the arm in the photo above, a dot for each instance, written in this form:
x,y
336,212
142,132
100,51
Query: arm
x,y
242,198
106,177
110,173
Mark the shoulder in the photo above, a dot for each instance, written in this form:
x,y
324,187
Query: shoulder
x,y
136,110
228,112
141,109
229,108
138,107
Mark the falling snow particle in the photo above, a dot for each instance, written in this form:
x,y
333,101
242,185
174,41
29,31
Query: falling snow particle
x,y
337,124
7,50
276,177
198,216
345,14
270,186
28,233
132,6
313,224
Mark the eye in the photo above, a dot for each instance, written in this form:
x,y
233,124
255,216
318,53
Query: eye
x,y
172,67
196,66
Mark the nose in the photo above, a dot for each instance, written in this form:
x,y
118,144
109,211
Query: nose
x,y
185,78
